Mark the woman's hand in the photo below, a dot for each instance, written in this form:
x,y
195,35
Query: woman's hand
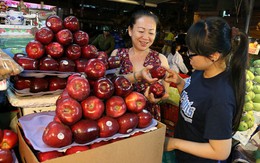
x,y
150,96
146,74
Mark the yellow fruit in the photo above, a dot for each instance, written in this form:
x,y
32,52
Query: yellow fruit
x,y
257,79
256,89
251,94
251,76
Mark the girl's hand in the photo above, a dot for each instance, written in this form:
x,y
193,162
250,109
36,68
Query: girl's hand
x,y
173,77
146,74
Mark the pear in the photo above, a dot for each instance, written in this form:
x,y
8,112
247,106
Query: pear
x,y
250,75
248,106
242,126
251,94
249,85
257,79
257,98
246,117
256,106
256,89
250,123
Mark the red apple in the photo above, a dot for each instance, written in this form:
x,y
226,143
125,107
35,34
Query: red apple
x,y
157,89
34,49
80,37
57,135
55,23
113,62
104,60
92,107
54,49
103,88
64,37
64,94
9,140
80,64
145,118
6,156
102,54
78,88
89,51
72,76
95,69
69,111
56,83
85,131
76,149
98,144
71,23
73,51
158,72
56,119
108,126
115,106
127,123
123,86
44,156
48,64
39,85
44,35
135,102
18,55
66,65
28,63
21,83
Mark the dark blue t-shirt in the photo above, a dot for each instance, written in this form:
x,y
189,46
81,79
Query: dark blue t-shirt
x,y
207,108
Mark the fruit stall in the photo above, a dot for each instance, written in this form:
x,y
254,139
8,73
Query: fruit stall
x,y
71,105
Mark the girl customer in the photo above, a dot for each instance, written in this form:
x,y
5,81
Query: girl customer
x,y
213,97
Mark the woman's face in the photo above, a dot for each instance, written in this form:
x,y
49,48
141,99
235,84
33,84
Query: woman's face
x,y
143,32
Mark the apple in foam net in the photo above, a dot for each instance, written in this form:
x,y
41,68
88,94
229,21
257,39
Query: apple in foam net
x,y
44,35
69,111
56,83
55,23
57,135
92,107
39,85
103,88
71,22
85,130
21,83
123,86
66,65
34,49
54,49
80,37
73,51
28,63
76,149
135,102
95,69
115,106
44,156
108,126
127,123
78,88
64,37
48,64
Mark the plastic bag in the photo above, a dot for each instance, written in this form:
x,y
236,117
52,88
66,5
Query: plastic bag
x,y
8,66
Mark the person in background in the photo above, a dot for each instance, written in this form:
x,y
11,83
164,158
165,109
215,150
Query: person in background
x,y
168,39
137,60
212,99
175,59
104,42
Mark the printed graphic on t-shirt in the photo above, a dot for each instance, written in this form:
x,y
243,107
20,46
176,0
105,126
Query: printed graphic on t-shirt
x,y
187,110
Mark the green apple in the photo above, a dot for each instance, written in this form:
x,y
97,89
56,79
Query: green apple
x,y
242,126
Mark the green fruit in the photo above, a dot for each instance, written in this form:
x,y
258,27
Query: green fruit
x,y
256,106
250,123
246,117
249,85
250,112
248,98
251,94
257,160
251,76
257,71
242,126
248,106
256,63
256,99
252,69
256,89
257,79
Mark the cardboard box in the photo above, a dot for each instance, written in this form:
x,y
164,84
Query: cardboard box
x,y
145,148
26,111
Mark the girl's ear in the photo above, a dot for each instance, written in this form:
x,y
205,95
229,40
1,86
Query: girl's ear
x,y
215,56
